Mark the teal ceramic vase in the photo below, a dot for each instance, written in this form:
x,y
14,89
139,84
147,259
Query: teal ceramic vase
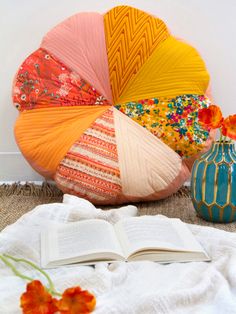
x,y
213,183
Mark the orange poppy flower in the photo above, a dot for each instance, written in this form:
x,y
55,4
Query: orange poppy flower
x,y
211,117
36,299
74,301
229,127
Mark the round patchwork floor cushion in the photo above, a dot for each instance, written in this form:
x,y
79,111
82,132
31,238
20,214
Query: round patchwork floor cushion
x,y
109,107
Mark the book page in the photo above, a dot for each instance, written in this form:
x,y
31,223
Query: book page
x,y
79,239
153,232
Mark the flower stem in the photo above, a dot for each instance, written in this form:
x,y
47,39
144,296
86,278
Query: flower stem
x,y
51,289
15,271
221,136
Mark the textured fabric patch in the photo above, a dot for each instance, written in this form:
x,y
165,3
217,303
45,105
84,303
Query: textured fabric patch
x,y
45,135
131,37
174,68
79,42
90,168
147,165
43,81
174,121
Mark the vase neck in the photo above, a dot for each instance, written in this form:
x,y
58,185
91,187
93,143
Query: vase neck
x,y
223,147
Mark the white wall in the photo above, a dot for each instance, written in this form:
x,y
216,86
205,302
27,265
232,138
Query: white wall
x,y
209,25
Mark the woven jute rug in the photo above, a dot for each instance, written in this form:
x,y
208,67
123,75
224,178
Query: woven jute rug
x,y
17,199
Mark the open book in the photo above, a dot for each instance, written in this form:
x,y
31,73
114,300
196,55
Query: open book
x,y
150,238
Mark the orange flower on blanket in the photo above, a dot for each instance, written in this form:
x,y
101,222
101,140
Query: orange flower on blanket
x,y
37,300
76,301
211,117
229,127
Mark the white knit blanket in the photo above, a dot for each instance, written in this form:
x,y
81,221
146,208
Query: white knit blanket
x,y
138,287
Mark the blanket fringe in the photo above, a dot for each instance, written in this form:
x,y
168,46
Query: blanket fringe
x,y
50,189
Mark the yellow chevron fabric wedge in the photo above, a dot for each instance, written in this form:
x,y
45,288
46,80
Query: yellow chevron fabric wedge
x,y
131,37
108,107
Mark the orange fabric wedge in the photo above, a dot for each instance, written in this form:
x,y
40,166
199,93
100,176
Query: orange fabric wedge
x,y
45,135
